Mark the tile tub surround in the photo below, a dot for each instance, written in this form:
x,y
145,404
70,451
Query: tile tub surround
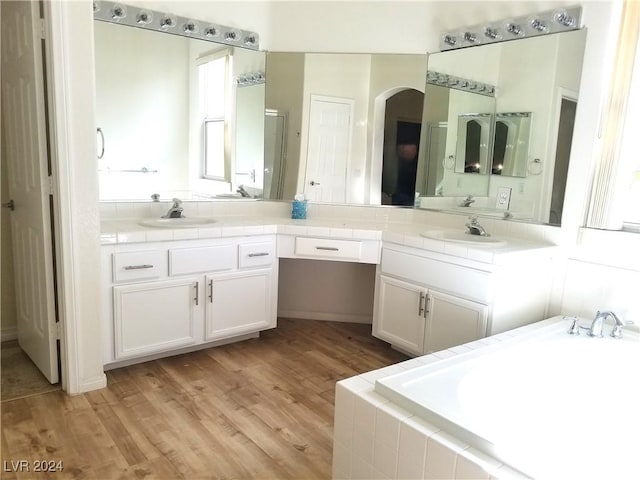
x,y
376,439
560,442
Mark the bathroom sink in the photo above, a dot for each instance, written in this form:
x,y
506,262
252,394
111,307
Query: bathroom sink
x,y
463,237
183,222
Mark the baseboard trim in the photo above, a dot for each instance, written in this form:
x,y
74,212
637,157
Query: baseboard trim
x,y
7,334
329,317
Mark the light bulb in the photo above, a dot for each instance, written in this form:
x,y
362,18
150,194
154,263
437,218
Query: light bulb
x,y
118,12
144,17
190,27
167,22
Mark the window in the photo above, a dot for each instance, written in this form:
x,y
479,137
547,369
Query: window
x,y
615,201
212,86
630,154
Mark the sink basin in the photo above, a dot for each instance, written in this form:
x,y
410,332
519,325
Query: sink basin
x,y
184,222
463,237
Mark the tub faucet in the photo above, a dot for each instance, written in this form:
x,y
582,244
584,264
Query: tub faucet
x,y
474,227
176,210
598,323
467,201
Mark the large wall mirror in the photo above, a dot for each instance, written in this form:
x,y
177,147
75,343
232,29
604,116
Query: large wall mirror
x,y
353,125
381,125
177,116
537,82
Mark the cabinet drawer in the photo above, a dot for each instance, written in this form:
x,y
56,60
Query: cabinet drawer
x,y
256,254
183,261
328,248
145,265
464,281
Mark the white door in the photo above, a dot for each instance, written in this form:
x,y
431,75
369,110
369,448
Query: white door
x,y
398,317
238,303
329,142
24,122
453,321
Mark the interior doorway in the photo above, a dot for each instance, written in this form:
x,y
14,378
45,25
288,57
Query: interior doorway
x,y
402,127
27,153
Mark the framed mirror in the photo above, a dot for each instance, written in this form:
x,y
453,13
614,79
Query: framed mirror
x,y
179,116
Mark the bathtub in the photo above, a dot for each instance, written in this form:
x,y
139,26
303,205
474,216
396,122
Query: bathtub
x,y
545,403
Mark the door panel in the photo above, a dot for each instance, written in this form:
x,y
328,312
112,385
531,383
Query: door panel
x,y
24,124
453,321
238,303
330,125
399,314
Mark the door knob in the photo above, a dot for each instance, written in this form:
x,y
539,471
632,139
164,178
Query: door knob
x,y
312,183
10,205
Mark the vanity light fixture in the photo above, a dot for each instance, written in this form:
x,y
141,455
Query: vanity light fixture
x,y
249,79
458,83
112,12
551,21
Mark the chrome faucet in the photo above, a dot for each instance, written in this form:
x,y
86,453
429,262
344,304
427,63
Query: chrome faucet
x,y
474,227
467,201
598,323
176,210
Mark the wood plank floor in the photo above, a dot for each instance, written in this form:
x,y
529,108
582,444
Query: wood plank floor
x,y
259,409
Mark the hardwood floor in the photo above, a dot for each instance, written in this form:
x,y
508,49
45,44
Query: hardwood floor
x,y
257,409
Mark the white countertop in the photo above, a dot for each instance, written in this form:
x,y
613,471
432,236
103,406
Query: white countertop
x,y
406,234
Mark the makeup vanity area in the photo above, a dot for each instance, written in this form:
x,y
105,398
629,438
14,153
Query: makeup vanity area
x,y
169,290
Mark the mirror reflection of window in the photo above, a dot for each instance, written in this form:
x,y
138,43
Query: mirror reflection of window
x,y
213,79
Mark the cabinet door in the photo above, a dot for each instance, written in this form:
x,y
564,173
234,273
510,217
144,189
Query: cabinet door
x,y
154,317
238,303
453,321
399,314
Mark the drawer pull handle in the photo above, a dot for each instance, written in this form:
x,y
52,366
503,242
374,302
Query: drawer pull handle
x,y
421,309
210,291
258,254
197,297
138,267
329,249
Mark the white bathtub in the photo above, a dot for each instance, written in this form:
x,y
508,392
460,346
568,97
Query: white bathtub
x,y
548,404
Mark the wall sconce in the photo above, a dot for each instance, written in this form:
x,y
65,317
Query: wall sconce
x,y
552,21
133,16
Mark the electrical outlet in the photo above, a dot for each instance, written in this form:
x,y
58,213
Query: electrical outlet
x,y
503,198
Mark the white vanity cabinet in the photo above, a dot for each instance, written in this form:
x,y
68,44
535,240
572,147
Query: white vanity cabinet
x,y
427,301
419,320
168,296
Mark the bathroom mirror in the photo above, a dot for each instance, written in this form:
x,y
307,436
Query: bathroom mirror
x,y
376,98
151,108
473,140
537,82
511,144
